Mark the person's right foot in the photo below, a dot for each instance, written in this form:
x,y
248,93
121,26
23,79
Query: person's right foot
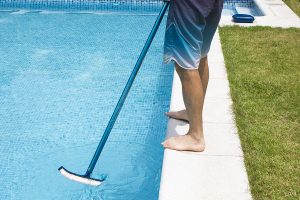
x,y
185,143
180,115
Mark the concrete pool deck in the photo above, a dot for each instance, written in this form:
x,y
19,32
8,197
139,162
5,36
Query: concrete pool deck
x,y
218,172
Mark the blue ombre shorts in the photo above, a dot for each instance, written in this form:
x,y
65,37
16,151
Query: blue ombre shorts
x,y
190,28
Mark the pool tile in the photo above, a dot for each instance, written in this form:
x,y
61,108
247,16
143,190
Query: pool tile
x,y
212,177
218,110
218,88
220,139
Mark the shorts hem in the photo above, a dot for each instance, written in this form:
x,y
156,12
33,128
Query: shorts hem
x,y
175,60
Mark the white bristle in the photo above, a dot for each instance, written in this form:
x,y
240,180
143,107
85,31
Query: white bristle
x,y
80,179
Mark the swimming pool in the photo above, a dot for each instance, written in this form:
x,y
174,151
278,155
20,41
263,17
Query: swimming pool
x,y
60,78
232,7
63,67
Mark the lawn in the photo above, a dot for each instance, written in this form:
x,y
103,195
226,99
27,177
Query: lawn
x,y
294,5
263,66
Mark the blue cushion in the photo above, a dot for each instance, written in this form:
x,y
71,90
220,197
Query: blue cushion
x,y
243,18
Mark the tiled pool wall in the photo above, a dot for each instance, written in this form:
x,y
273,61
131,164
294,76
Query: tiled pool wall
x,y
102,5
242,6
244,3
106,5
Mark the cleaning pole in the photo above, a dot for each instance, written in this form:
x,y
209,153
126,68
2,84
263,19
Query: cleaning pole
x,y
86,178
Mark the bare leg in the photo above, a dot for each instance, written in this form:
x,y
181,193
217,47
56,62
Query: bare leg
x,y
193,97
204,74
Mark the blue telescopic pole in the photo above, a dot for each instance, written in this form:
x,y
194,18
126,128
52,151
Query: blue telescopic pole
x,y
126,90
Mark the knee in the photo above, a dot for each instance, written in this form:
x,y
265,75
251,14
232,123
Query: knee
x,y
186,74
203,62
204,59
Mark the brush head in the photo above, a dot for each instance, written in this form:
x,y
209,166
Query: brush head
x,y
79,178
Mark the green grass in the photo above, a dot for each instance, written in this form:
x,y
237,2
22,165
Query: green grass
x,y
294,5
263,66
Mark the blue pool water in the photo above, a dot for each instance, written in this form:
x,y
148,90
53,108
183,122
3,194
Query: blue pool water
x,y
62,69
232,7
60,78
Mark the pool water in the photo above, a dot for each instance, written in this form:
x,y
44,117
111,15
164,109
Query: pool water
x,y
232,7
62,69
61,75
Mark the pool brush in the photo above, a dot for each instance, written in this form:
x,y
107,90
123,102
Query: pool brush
x,y
86,178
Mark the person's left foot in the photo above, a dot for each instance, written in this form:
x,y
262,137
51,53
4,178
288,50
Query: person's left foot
x,y
179,115
185,143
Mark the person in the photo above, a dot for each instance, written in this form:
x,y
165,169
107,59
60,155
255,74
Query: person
x,y
191,25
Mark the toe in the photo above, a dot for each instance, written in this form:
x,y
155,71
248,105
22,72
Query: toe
x,y
167,143
170,143
169,114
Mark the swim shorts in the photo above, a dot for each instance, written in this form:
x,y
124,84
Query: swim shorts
x,y
191,25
